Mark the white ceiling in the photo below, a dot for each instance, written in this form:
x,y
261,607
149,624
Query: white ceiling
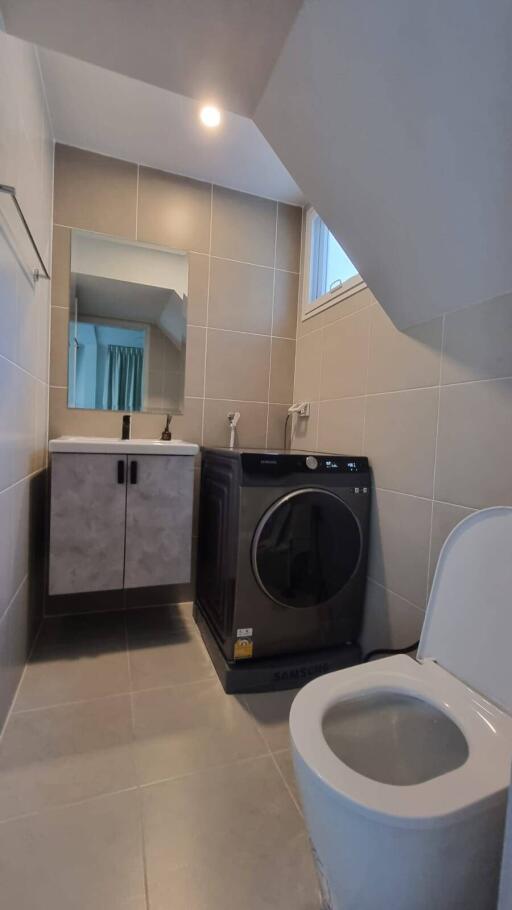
x,y
224,49
106,112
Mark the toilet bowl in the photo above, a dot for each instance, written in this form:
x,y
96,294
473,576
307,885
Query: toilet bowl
x,y
404,764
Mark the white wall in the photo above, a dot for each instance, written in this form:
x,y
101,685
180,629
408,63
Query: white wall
x,y
26,162
93,254
395,120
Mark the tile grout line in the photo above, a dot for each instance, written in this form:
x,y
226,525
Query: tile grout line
x,y
285,782
297,319
139,797
365,405
272,324
396,594
434,475
207,314
257,265
136,788
60,806
125,694
27,661
137,204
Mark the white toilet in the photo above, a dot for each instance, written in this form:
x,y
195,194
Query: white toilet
x,y
404,765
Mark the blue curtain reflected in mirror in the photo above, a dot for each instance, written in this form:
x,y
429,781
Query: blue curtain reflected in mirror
x,y
106,367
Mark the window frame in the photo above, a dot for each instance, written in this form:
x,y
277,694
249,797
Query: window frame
x,y
347,289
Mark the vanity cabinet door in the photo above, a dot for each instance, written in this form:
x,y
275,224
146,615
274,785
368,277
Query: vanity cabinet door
x,y
160,492
87,523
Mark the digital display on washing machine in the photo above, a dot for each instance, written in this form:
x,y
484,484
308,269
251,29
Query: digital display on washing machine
x,y
331,465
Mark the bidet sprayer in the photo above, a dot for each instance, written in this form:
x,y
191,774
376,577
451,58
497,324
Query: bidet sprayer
x,y
233,418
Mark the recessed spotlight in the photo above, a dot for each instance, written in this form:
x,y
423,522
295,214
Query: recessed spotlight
x,y
210,115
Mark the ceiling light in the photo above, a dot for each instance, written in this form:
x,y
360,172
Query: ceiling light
x,y
210,115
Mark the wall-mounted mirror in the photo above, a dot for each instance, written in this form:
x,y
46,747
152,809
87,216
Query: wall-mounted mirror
x,y
127,326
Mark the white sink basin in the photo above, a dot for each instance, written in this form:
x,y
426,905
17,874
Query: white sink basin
x,y
106,445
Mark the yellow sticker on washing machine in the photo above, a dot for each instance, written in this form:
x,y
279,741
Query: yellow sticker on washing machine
x,y
242,648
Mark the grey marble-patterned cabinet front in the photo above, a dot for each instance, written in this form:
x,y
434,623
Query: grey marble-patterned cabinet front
x,y
158,520
87,521
119,521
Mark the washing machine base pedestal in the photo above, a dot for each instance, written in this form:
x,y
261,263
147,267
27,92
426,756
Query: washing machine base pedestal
x,y
271,673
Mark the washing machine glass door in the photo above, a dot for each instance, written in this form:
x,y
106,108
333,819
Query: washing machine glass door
x,y
305,548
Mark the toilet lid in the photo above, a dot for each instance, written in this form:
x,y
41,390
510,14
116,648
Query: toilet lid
x,y
468,622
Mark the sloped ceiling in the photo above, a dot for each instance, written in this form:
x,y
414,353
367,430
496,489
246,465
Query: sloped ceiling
x,y
114,115
218,49
393,117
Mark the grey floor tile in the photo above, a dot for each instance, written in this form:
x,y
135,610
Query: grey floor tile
x,y
159,623
285,763
58,675
189,728
181,658
227,838
54,756
84,857
271,711
101,629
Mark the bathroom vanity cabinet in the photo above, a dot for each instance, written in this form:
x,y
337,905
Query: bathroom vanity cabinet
x,y
120,519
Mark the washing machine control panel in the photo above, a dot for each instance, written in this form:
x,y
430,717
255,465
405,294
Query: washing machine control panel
x,y
280,464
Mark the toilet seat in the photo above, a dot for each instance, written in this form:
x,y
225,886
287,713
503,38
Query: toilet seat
x,y
488,731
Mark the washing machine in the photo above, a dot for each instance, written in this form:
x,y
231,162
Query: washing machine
x,y
282,556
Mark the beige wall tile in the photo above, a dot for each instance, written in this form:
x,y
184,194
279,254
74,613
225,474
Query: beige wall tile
x,y
400,436
345,357
173,211
78,421
198,270
240,297
94,192
61,266
186,426
477,342
243,227
194,363
276,420
251,429
306,326
307,367
389,620
59,347
352,304
444,519
340,426
237,361
286,296
281,370
399,544
289,223
304,430
64,420
176,212
474,444
403,360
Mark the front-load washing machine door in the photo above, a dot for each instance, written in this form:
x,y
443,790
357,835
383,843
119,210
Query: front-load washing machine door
x,y
306,548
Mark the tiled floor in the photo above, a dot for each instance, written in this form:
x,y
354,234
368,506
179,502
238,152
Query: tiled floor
x,y
130,781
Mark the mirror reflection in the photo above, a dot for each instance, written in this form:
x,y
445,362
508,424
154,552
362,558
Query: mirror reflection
x,y
127,326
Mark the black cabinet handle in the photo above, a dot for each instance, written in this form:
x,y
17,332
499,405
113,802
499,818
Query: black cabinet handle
x,y
133,471
120,471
